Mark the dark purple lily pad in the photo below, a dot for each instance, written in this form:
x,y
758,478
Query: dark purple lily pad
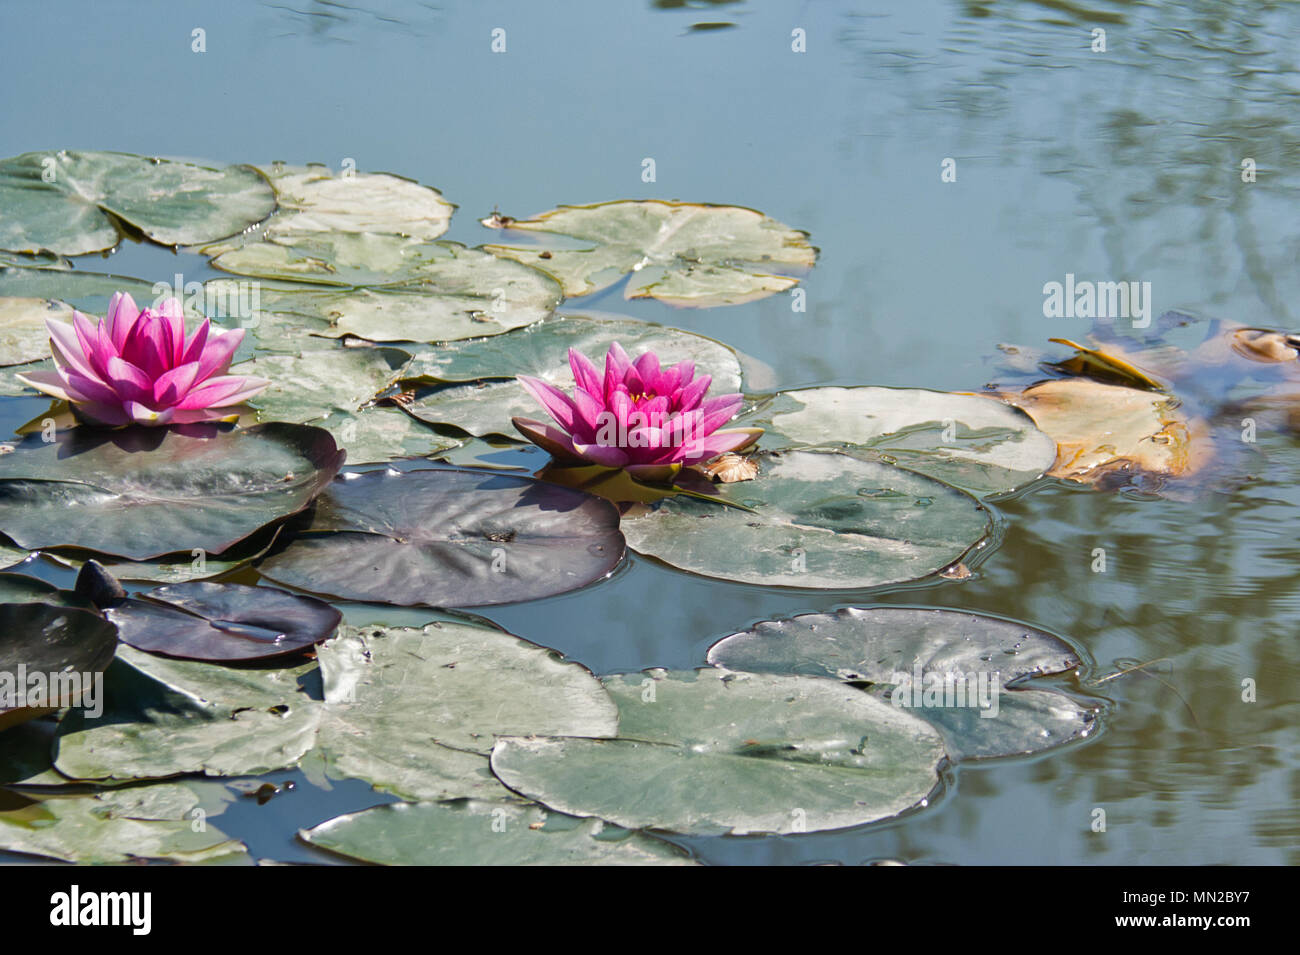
x,y
223,622
146,492
66,646
450,538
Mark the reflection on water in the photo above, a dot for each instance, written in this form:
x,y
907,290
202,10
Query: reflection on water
x,y
1125,165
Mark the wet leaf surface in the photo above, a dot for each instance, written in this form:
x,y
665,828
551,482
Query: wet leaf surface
x,y
481,832
819,520
66,201
682,253
145,492
913,651
449,538
223,622
709,752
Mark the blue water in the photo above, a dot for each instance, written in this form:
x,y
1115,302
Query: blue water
x,y
1122,165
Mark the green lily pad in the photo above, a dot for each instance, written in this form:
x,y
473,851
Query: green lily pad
x,y
145,492
708,751
969,441
50,656
449,538
312,200
223,622
820,520
332,388
416,711
682,253
480,406
425,291
23,336
482,832
166,717
89,292
158,822
907,651
380,434
66,202
316,383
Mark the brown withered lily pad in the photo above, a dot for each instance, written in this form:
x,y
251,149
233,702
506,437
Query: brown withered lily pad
x,y
1104,430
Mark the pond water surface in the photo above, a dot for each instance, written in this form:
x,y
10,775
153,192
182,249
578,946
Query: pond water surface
x,y
1115,165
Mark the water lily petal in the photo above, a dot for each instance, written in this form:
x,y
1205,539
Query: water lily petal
x,y
557,404
717,443
222,392
48,382
144,346
589,410
693,393
216,355
130,382
196,343
172,385
173,324
605,455
143,414
585,373
83,388
617,364
549,439
716,412
121,318
66,348
679,376
647,369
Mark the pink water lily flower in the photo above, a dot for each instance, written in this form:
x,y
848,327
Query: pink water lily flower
x,y
648,421
138,367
